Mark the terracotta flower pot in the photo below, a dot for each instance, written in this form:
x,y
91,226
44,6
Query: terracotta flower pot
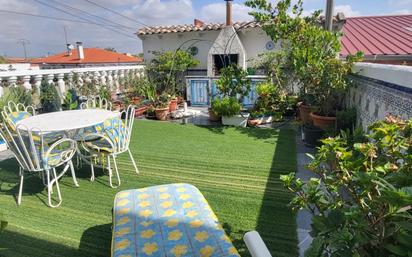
x,y
161,113
323,122
254,122
304,113
213,116
172,105
140,111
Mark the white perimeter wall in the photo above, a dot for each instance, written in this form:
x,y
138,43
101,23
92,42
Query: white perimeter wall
x,y
381,90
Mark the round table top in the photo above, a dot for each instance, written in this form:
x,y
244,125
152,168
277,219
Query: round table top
x,y
66,120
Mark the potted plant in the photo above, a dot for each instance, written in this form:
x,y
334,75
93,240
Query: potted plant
x,y
215,106
360,199
330,92
173,104
311,55
229,109
162,106
49,97
233,85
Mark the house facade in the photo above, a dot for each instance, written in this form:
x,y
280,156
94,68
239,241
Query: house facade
x,y
211,44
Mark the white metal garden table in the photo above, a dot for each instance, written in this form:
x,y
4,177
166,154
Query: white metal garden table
x,y
68,121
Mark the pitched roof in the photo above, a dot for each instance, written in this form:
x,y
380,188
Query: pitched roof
x,y
91,55
378,35
192,27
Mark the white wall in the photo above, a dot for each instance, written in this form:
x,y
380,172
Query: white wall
x,y
254,41
171,41
396,74
18,66
381,89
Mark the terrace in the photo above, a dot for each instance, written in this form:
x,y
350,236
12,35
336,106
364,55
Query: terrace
x,y
117,159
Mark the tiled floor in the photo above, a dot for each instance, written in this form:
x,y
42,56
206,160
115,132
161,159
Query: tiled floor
x,y
303,219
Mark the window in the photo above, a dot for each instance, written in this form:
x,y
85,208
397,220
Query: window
x,y
223,60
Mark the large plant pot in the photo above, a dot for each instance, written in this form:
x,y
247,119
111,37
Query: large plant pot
x,y
304,113
323,122
312,135
172,105
237,120
161,113
212,116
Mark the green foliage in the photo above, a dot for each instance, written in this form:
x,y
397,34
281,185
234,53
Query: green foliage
x,y
275,65
233,82
104,93
227,106
21,95
167,68
162,101
310,52
70,101
49,97
361,200
270,99
2,60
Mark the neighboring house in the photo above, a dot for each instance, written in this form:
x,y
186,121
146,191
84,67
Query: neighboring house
x,y
85,57
16,63
383,39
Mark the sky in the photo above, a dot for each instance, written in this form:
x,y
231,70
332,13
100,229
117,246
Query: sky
x,y
46,36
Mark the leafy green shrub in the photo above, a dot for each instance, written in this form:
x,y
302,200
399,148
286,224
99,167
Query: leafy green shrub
x,y
167,69
70,101
311,52
271,100
227,106
233,82
362,199
49,97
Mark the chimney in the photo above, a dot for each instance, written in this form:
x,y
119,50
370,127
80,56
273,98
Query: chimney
x,y
80,50
69,49
229,21
198,23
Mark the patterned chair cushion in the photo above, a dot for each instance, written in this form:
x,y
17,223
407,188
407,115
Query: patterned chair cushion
x,y
168,220
114,129
15,117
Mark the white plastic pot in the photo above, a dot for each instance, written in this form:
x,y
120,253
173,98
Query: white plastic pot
x,y
237,120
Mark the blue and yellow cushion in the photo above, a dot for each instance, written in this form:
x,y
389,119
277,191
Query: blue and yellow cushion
x,y
15,117
167,220
114,129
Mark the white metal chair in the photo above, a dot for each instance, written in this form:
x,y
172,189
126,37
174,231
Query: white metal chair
x,y
113,139
96,102
35,155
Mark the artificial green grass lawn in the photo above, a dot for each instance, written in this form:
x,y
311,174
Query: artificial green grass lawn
x,y
236,169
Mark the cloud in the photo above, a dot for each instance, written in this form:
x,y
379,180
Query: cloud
x,y
347,10
216,12
156,12
400,3
402,12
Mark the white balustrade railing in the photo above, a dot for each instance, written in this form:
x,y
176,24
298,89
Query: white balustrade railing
x,y
110,76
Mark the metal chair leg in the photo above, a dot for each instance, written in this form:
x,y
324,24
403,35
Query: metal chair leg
x,y
134,163
111,173
50,189
20,186
92,169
